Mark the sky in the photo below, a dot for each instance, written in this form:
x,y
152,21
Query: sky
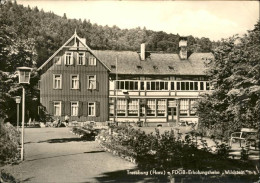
x,y
212,19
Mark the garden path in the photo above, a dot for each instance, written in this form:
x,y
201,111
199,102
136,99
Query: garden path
x,y
56,155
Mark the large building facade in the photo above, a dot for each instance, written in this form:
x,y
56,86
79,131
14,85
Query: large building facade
x,y
75,83
130,86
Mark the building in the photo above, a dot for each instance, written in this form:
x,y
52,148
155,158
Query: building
x,y
74,82
134,86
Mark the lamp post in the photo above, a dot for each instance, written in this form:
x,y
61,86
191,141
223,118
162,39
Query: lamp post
x,y
24,78
17,100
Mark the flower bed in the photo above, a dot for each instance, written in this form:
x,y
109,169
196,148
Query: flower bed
x,y
168,151
87,132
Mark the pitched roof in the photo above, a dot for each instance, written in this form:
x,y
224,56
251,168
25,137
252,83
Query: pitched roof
x,y
74,36
129,62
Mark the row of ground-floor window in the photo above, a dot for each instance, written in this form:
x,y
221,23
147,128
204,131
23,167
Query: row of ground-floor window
x,y
74,108
126,109
150,107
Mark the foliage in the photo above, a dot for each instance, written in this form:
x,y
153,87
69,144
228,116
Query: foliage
x,y
9,143
17,51
169,151
88,132
7,177
234,75
51,31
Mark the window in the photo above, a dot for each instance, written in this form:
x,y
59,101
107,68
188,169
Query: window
x,y
201,85
142,85
157,85
207,86
188,85
92,83
178,86
91,108
81,58
74,81
68,58
111,107
151,105
133,107
127,85
196,86
92,60
74,108
57,81
184,107
121,107
57,108
192,107
161,107
172,86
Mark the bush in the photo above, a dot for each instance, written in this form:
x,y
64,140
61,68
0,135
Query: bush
x,y
86,133
168,151
7,177
9,143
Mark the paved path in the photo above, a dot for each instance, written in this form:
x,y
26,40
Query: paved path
x,y
56,155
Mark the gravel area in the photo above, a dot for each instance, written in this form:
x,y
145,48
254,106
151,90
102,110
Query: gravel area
x,y
56,155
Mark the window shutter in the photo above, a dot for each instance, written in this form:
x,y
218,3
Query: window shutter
x,y
87,81
97,108
64,59
53,81
62,108
51,108
86,58
80,108
95,61
74,58
85,109
70,81
67,108
97,85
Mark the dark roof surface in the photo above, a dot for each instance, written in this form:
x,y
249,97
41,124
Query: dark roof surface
x,y
129,62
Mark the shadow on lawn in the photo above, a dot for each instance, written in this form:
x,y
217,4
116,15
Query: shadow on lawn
x,y
65,140
64,155
125,177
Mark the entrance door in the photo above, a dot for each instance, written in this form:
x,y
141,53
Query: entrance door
x,y
172,114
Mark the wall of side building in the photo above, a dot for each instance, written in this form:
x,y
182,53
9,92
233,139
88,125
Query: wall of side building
x,y
167,101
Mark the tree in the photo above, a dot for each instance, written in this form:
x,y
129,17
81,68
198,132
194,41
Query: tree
x,y
16,52
234,75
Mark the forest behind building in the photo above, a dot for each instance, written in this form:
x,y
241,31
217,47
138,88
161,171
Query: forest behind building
x,y
49,31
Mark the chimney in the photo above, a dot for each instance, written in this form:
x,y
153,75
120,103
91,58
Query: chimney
x,y
183,46
142,53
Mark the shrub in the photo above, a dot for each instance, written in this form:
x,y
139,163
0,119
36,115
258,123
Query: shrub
x,y
168,151
87,132
9,143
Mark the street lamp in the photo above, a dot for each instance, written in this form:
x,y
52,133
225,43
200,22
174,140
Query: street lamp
x,y
18,101
24,78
